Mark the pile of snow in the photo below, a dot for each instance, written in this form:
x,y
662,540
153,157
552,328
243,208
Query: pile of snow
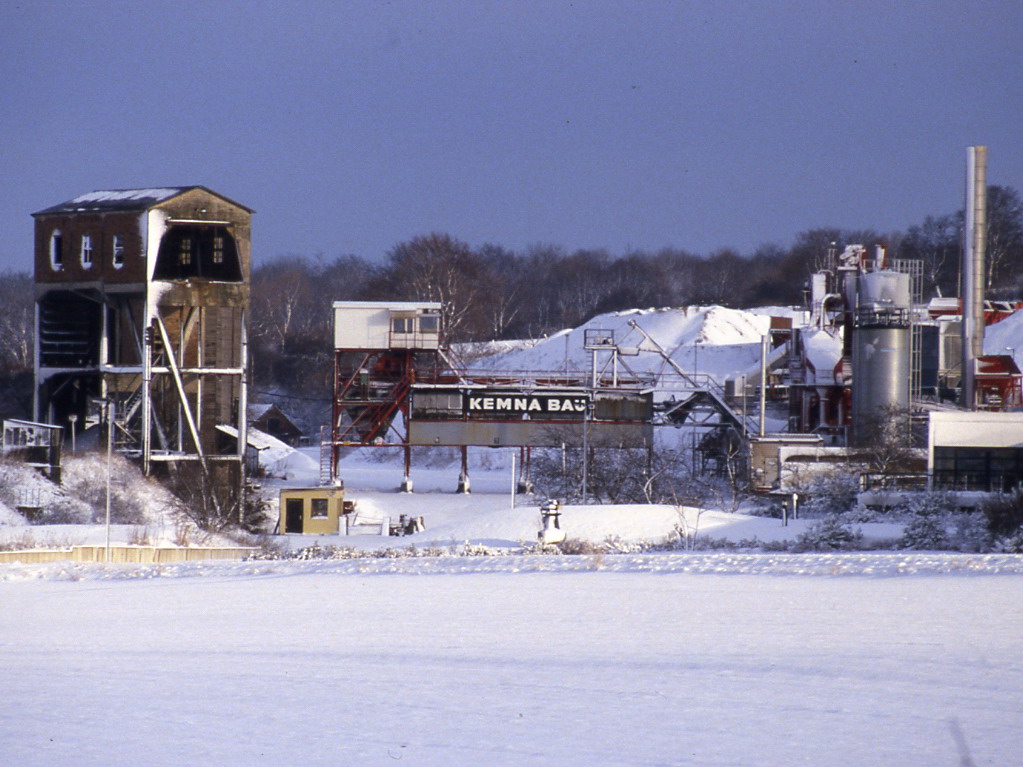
x,y
711,340
1006,337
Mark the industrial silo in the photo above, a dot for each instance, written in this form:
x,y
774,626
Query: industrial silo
x,y
881,350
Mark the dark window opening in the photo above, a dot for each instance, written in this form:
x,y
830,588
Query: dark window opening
x,y
319,508
69,330
978,468
193,252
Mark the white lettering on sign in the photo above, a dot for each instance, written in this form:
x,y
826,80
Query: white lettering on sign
x,y
517,403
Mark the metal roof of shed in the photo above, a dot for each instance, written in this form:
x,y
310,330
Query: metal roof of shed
x,y
126,200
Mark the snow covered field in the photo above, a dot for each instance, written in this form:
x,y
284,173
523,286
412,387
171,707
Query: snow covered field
x,y
634,659
516,661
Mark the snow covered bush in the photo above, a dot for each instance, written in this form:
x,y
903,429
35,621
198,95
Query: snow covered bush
x,y
929,526
970,532
134,498
926,532
830,534
1004,515
829,493
23,486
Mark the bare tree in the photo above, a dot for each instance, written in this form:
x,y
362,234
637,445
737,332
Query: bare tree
x,y
936,243
282,292
1004,249
16,322
438,267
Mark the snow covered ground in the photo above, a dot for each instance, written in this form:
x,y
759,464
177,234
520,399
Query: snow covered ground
x,y
515,661
631,659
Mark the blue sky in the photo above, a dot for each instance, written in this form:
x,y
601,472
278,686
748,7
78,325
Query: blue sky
x,y
352,126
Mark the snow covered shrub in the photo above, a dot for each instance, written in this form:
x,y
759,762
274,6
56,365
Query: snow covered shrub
x,y
926,532
830,534
135,499
613,475
62,510
539,548
970,532
830,493
1009,544
22,485
1004,514
578,546
930,521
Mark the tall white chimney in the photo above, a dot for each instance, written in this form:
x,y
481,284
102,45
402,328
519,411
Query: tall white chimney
x,y
974,239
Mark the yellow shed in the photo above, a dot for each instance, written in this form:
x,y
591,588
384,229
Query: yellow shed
x,y
311,510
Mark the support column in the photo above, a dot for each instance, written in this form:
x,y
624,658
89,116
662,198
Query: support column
x,y
406,482
525,484
463,476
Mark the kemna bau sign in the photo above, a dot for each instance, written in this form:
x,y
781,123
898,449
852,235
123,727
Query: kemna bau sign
x,y
510,404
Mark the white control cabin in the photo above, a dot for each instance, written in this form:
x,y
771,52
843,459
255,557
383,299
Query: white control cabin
x,y
369,325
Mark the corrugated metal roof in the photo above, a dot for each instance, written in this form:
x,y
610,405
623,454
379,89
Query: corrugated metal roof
x,y
124,199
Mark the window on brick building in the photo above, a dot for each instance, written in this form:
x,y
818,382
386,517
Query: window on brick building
x,y
57,249
118,250
87,250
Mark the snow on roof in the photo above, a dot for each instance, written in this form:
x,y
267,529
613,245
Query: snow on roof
x,y
255,438
126,199
1006,337
257,410
117,199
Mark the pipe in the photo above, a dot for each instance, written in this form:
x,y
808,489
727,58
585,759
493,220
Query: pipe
x,y
974,238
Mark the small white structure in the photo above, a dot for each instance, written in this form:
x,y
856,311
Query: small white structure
x,y
374,325
550,520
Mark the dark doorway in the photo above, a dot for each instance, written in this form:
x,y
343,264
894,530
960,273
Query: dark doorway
x,y
293,513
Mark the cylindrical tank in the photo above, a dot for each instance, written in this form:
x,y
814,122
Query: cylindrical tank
x,y
884,288
881,356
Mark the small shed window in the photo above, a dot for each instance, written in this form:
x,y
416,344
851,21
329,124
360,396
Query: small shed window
x,y
318,508
57,250
402,324
185,257
429,323
87,250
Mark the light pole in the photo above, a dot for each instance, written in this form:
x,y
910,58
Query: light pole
x,y
110,452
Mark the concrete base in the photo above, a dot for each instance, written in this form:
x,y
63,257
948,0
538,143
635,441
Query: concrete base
x,y
463,485
524,487
405,486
